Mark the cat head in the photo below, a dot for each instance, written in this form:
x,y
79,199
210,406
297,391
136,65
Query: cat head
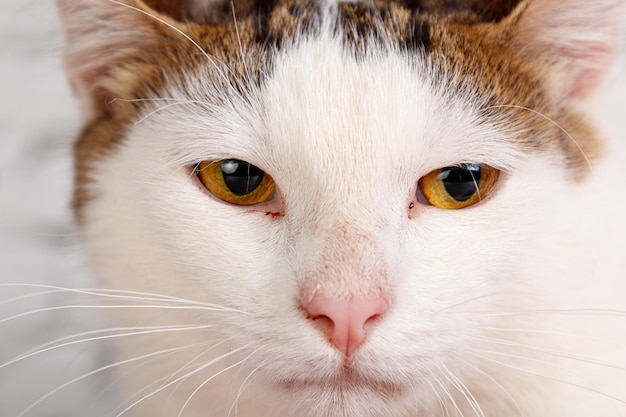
x,y
307,166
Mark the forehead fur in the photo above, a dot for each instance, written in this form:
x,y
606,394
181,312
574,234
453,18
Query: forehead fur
x,y
465,44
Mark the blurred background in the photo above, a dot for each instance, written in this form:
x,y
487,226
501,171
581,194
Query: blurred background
x,y
39,120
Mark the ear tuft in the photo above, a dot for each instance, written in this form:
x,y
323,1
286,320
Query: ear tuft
x,y
574,41
105,39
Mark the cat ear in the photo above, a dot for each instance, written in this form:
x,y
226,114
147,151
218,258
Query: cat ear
x,y
108,44
575,41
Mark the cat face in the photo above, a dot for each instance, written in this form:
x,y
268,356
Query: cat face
x,y
347,209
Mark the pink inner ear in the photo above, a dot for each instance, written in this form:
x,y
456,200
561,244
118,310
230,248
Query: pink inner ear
x,y
575,41
592,63
101,35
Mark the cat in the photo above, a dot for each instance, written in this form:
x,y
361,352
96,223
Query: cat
x,y
354,209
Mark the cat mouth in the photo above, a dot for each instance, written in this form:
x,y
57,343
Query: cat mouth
x,y
345,381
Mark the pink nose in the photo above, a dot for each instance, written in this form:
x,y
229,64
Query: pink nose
x,y
346,322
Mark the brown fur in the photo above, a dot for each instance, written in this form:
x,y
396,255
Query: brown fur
x,y
484,57
475,39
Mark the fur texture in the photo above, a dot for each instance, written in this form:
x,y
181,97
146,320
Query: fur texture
x,y
513,307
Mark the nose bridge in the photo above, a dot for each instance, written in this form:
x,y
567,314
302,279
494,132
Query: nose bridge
x,y
345,289
344,262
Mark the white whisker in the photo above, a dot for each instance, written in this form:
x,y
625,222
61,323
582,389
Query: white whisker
x,y
564,312
552,352
164,380
186,376
465,392
448,394
561,128
246,382
106,307
144,331
155,99
167,106
189,363
529,359
526,371
498,384
534,331
241,54
125,295
96,371
122,375
30,295
480,297
180,32
442,405
205,382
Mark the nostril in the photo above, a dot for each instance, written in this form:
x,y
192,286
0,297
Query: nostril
x,y
323,322
346,323
372,319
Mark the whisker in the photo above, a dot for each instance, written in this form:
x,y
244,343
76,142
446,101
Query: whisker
x,y
143,331
164,380
498,384
124,295
442,405
180,32
470,300
587,388
189,363
105,307
552,352
561,128
448,394
30,295
246,382
59,235
193,394
96,371
186,376
122,375
167,106
154,99
462,388
534,331
564,312
529,359
570,335
241,54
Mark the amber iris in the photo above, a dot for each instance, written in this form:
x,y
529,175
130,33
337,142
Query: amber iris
x,y
235,181
457,187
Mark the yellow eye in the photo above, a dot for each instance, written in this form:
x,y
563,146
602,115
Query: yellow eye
x,y
236,182
459,186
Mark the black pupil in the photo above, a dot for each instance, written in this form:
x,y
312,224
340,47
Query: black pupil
x,y
241,177
461,182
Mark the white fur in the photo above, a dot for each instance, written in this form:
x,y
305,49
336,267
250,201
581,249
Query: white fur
x,y
502,309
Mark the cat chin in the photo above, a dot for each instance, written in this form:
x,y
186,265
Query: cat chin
x,y
345,399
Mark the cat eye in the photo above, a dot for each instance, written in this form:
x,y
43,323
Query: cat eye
x,y
236,182
457,187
